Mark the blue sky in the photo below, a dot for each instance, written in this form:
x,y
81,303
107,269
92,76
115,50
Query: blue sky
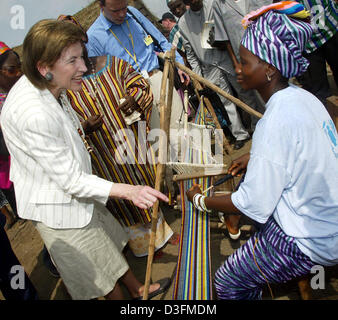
x,y
17,16
158,7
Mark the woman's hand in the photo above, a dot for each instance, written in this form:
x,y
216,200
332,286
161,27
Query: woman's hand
x,y
129,105
143,197
92,123
192,191
240,164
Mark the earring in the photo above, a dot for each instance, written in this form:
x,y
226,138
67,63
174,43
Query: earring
x,y
268,77
49,76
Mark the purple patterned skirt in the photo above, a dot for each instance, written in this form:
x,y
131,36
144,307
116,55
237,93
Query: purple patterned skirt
x,y
269,256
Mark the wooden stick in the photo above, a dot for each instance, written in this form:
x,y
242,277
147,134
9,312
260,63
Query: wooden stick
x,y
209,84
165,112
186,176
186,106
207,189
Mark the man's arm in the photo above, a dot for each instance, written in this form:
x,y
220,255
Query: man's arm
x,y
191,57
221,32
232,54
137,87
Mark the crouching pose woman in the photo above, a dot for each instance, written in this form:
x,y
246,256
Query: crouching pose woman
x,y
52,173
291,182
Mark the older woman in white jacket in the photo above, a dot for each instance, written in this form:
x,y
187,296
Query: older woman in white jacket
x,y
51,169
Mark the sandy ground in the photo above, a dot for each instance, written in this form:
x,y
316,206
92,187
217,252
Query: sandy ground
x,y
28,245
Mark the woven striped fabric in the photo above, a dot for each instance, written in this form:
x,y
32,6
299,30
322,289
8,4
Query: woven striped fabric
x,y
193,274
120,152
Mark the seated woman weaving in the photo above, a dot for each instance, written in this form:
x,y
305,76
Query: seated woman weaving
x,y
291,180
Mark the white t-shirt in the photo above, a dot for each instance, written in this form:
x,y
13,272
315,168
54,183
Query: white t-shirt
x,y
293,173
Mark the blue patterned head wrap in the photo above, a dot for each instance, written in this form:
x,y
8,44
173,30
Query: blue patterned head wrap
x,y
279,39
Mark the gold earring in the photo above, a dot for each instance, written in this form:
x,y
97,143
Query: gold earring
x,y
268,77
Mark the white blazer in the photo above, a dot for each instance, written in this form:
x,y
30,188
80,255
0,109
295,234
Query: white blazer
x,y
50,166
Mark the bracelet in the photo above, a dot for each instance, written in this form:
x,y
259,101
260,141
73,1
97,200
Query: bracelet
x,y
203,204
198,202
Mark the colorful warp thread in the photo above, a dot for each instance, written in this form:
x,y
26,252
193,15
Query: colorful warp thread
x,y
193,274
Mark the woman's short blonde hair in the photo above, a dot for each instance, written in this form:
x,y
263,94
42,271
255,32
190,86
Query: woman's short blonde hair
x,y
44,44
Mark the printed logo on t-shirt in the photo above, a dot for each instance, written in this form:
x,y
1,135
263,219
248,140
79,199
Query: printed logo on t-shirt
x,y
331,133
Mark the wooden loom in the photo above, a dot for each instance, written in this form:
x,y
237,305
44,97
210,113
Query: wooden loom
x,y
199,284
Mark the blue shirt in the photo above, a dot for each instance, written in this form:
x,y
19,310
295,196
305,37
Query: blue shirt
x,y
293,173
129,37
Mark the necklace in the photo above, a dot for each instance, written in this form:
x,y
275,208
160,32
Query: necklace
x,y
76,124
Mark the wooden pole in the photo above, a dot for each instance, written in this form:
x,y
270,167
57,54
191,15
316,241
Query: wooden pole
x,y
186,106
165,112
186,176
209,84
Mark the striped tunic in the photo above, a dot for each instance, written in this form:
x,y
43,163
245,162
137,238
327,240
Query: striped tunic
x,y
117,155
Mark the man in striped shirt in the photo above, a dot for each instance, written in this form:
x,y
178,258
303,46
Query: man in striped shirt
x,y
322,47
177,8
